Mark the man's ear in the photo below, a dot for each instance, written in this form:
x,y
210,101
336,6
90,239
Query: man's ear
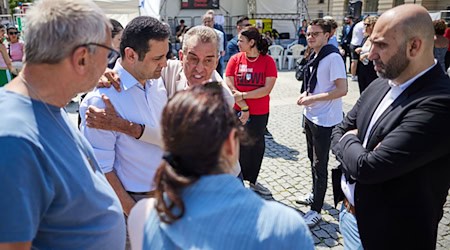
x,y
80,59
415,46
180,55
130,55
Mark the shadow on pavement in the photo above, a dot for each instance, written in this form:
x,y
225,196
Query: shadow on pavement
x,y
276,150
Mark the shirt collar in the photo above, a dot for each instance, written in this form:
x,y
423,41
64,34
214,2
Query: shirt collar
x,y
127,81
410,81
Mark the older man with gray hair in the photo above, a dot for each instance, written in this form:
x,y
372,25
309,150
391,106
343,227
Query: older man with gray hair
x,y
198,59
54,195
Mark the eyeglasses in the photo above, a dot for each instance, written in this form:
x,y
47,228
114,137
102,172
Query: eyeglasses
x,y
245,25
13,33
314,34
112,55
367,24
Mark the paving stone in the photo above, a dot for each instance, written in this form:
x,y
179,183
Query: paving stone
x,y
322,234
321,246
316,240
337,247
330,242
329,228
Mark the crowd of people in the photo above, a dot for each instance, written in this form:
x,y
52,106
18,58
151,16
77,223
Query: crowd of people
x,y
165,146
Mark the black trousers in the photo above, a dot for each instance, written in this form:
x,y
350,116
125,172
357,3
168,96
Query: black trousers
x,y
366,74
251,155
318,141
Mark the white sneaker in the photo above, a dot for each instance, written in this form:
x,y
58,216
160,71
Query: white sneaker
x,y
355,78
312,218
260,189
306,199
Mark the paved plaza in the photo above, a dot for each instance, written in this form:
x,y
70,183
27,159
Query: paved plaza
x,y
286,168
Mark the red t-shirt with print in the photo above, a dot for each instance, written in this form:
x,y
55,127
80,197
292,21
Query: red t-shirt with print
x,y
249,76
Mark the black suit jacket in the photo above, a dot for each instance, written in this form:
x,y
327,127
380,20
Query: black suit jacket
x,y
346,37
403,175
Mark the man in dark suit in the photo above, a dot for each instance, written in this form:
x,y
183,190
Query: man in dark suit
x,y
394,145
346,37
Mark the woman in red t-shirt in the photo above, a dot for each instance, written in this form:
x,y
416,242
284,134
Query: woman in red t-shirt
x,y
251,75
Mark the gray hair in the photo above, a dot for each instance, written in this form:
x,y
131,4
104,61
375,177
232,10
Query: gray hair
x,y
200,33
56,27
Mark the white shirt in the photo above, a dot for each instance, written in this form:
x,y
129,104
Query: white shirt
x,y
395,91
327,113
358,34
134,161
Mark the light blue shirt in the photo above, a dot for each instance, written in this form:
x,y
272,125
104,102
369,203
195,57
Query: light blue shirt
x,y
333,41
53,192
134,161
222,214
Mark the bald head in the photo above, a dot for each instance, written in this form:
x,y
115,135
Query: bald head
x,y
409,20
402,43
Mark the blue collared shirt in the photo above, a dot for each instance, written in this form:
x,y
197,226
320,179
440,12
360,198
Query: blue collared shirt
x,y
222,214
134,161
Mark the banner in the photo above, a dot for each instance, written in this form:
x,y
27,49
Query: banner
x,y
262,25
200,4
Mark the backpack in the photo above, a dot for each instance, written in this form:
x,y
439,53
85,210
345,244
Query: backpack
x,y
299,69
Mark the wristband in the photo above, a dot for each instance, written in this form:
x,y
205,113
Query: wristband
x,y
142,129
246,110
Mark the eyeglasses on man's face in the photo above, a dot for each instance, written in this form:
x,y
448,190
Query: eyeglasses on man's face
x,y
112,55
314,34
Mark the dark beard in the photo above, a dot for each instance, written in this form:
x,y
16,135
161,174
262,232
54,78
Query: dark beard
x,y
396,65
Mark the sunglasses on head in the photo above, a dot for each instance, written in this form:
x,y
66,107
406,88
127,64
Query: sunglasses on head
x,y
13,33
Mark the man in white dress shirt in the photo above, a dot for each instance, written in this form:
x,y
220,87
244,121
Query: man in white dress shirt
x,y
130,164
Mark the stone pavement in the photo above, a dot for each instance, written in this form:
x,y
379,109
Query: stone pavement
x,y
286,168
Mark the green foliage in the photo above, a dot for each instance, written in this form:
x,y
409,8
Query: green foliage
x,y
15,3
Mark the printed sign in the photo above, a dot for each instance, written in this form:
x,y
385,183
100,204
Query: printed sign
x,y
200,4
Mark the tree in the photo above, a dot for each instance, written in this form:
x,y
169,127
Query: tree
x,y
14,3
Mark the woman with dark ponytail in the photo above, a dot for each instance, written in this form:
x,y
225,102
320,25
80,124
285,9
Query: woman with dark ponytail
x,y
251,75
197,203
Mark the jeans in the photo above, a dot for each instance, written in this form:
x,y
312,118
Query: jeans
x,y
318,141
349,230
251,155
